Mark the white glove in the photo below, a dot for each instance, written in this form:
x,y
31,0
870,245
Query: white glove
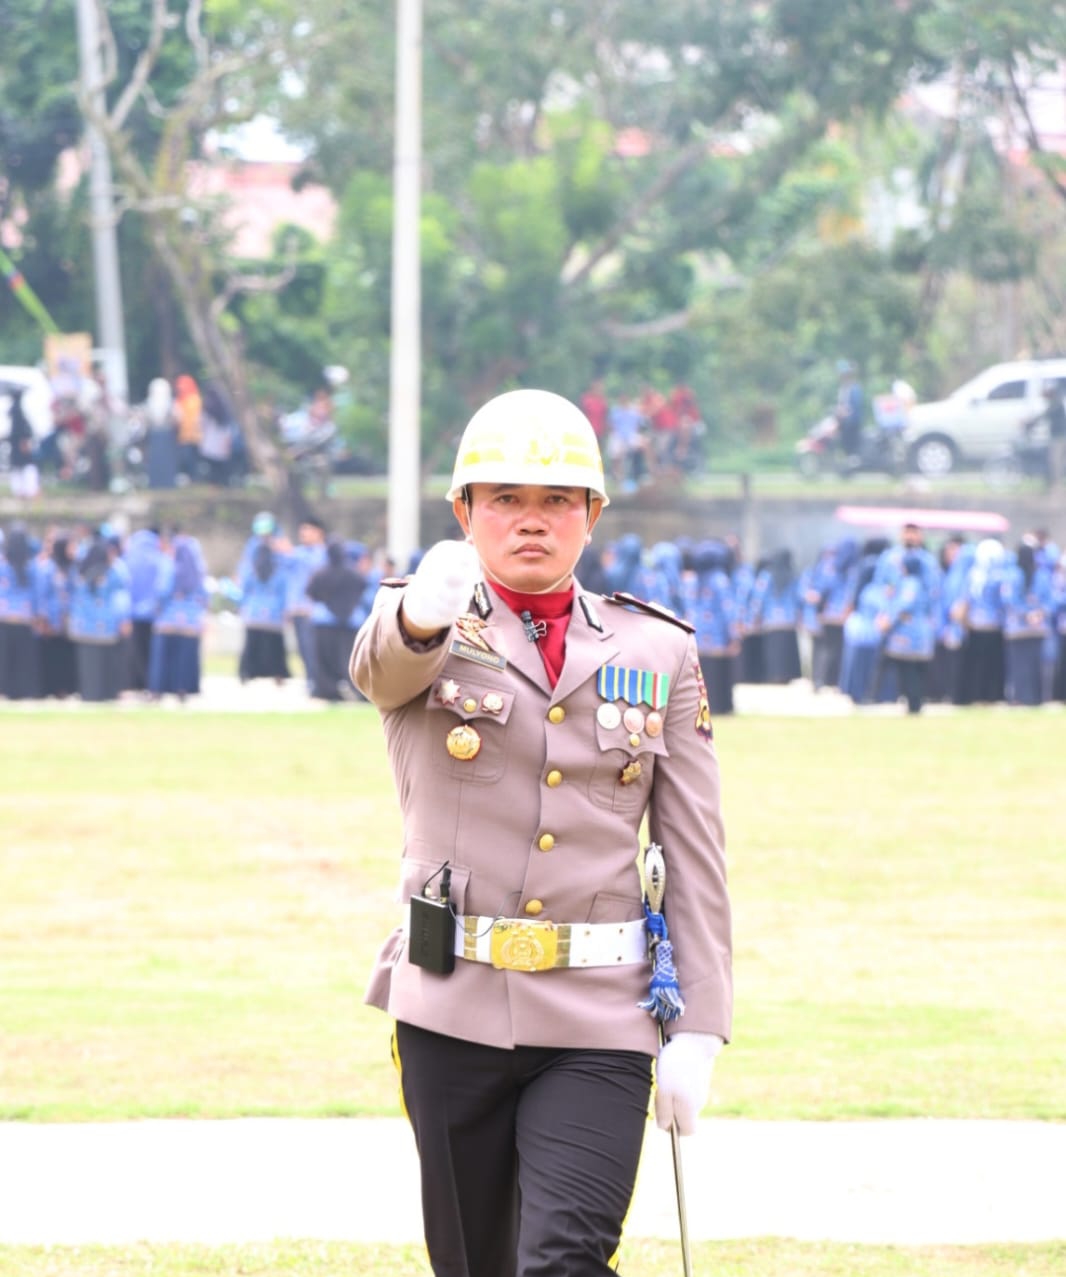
x,y
442,585
683,1079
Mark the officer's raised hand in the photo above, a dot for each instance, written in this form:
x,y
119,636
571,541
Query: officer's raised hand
x,y
441,588
683,1079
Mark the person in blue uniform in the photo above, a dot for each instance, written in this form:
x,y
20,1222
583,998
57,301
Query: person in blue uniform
x,y
907,626
307,556
264,597
774,613
838,599
55,586
144,558
1025,588
712,609
20,669
983,673
181,608
100,619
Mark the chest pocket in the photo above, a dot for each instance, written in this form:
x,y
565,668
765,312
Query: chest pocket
x,y
618,759
471,719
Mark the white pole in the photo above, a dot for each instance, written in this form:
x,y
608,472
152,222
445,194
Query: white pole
x,y
405,364
110,334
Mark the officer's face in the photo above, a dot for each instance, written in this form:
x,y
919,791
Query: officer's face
x,y
528,537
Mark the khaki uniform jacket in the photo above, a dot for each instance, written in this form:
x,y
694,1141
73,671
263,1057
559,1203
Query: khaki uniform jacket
x,y
548,766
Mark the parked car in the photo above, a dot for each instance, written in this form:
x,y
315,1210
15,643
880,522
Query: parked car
x,y
982,418
36,403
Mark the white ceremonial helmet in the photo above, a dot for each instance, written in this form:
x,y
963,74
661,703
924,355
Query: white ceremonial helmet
x,y
529,436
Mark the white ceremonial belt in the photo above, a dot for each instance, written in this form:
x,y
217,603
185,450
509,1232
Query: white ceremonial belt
x,y
522,944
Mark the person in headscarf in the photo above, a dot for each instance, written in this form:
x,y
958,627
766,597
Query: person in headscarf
x,y
161,434
55,584
25,479
983,672
337,591
908,629
144,558
19,647
713,611
181,607
264,591
1027,605
774,612
101,618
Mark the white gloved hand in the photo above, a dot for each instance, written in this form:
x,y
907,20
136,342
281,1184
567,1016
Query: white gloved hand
x,y
683,1079
442,585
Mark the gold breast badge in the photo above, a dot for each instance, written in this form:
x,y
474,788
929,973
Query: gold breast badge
x,y
463,742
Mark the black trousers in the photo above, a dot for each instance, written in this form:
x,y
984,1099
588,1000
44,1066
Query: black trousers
x,y
529,1156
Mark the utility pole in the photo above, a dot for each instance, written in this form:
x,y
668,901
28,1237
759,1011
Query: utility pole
x,y
405,359
110,335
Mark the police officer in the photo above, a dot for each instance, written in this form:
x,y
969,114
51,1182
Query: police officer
x,y
530,728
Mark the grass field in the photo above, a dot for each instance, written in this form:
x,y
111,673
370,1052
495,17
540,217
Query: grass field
x,y
649,1259
191,904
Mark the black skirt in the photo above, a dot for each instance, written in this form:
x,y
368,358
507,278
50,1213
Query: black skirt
x,y
263,655
20,661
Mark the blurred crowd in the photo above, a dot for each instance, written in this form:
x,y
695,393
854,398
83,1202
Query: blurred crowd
x,y
96,614
644,435
972,623
72,429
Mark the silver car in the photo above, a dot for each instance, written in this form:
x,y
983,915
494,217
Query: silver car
x,y
981,418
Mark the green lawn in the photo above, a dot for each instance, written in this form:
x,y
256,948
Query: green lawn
x,y
761,1258
191,904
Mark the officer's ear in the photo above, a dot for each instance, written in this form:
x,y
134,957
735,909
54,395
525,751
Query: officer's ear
x,y
461,510
595,509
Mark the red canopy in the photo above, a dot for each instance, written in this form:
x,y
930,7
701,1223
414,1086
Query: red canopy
x,y
883,516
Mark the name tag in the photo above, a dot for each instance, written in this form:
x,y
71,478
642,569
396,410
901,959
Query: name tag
x,y
480,655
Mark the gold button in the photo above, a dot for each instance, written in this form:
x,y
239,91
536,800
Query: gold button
x,y
470,704
555,779
534,907
546,842
556,714
634,740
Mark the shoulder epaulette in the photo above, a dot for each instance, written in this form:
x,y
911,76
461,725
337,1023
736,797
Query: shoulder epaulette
x,y
653,609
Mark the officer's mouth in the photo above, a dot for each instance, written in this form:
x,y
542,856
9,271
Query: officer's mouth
x,y
530,550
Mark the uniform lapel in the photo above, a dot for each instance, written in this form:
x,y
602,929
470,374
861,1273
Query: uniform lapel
x,y
587,648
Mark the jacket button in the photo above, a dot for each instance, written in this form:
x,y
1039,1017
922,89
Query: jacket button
x,y
534,907
555,779
556,714
546,842
470,704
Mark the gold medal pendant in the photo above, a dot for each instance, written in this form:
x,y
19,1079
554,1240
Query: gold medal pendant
x,y
463,742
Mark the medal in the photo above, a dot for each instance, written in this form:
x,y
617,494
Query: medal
x,y
630,772
470,628
633,719
492,702
447,691
463,743
608,715
653,724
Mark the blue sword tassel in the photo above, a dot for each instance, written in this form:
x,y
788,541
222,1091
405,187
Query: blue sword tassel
x,y
664,1000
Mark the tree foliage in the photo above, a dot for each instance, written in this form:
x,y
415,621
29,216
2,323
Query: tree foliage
x,y
650,192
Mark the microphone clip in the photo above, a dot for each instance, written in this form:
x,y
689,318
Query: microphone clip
x,y
534,630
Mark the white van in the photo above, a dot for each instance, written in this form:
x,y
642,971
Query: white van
x,y
982,417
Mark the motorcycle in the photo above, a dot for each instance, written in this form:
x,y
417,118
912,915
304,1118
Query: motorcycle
x,y
1025,457
880,448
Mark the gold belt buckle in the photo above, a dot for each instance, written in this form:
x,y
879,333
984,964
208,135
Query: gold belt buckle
x,y
523,946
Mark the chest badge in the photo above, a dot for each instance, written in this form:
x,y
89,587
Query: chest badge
x,y
463,742
630,773
447,691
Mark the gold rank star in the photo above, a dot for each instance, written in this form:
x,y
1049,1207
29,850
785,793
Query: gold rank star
x,y
448,691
